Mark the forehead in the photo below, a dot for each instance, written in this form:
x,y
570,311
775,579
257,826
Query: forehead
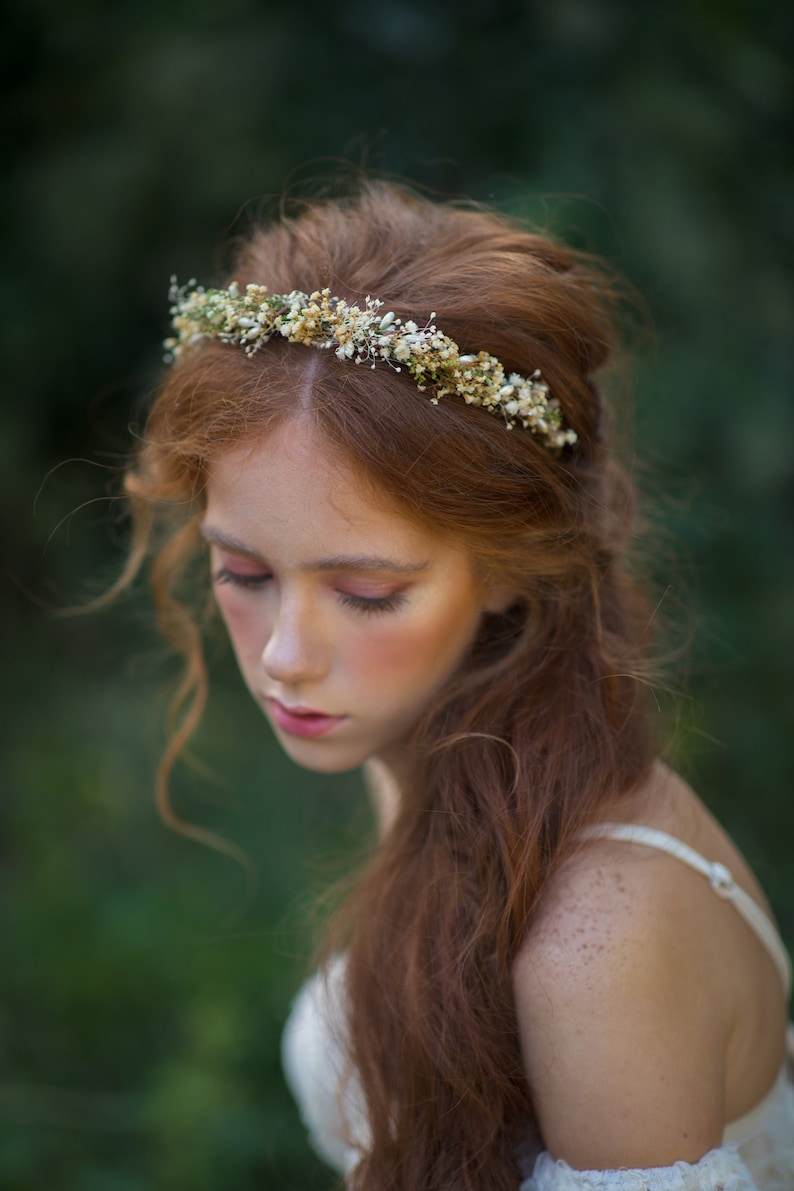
x,y
291,489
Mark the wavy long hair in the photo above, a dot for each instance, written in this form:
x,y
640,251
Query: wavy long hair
x,y
545,725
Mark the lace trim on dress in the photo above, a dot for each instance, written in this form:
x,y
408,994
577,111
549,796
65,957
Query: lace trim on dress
x,y
719,1170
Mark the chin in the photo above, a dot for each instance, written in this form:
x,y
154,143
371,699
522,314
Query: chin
x,y
321,758
327,765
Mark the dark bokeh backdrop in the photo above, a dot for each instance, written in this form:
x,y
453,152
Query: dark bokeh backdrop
x,y
138,1029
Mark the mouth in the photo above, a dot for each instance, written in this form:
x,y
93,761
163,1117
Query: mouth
x,y
303,721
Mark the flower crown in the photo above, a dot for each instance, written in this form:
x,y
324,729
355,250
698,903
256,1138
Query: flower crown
x,y
320,320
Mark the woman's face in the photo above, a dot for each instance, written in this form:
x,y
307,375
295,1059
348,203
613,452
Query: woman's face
x,y
346,618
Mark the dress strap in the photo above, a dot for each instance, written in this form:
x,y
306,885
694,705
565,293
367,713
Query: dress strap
x,y
718,876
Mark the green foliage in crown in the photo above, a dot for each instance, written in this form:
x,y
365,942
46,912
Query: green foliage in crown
x,y
364,335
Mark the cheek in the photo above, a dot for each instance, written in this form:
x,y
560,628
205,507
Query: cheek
x,y
422,653
246,624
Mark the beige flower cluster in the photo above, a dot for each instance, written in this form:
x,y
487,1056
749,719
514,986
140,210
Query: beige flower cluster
x,y
251,318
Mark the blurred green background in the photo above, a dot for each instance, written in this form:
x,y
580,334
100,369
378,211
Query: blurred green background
x,y
140,1018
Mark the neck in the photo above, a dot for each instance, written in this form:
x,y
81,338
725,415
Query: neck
x,y
385,779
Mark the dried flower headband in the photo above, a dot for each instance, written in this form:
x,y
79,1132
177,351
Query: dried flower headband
x,y
320,320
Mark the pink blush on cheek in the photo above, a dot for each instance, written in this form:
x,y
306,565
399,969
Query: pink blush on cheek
x,y
243,621
419,659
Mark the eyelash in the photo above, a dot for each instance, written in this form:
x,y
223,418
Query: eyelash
x,y
224,575
370,605
367,605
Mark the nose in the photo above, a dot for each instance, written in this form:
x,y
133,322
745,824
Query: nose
x,y
295,653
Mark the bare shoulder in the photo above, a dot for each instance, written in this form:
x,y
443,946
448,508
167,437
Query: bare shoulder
x,y
623,1029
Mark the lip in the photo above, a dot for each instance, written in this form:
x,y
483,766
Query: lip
x,y
303,721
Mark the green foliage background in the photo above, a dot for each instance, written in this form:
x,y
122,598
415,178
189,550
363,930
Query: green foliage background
x,y
139,1025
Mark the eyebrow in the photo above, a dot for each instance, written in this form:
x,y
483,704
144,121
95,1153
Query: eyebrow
x,y
335,562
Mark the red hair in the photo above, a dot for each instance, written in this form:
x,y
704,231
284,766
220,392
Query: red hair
x,y
545,724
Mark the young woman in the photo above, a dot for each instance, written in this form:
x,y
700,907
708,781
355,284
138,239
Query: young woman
x,y
387,433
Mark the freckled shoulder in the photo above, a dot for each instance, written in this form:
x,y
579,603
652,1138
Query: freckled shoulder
x,y
623,1033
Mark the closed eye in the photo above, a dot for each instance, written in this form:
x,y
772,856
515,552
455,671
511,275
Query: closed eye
x,y
372,604
253,580
241,578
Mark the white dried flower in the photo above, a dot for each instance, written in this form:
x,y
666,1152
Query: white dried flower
x,y
321,320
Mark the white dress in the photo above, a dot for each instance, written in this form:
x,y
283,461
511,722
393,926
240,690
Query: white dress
x,y
757,1151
